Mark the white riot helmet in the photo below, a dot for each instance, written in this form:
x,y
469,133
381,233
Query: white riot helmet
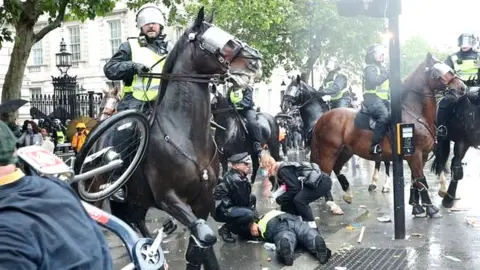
x,y
331,65
149,13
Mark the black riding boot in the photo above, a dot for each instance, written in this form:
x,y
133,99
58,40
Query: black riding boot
x,y
378,133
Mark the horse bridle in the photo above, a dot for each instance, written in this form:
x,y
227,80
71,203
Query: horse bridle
x,y
303,104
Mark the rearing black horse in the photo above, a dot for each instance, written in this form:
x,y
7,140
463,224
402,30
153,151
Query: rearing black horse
x,y
181,167
234,138
464,129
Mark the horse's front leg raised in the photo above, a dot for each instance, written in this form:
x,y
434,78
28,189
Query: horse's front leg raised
x,y
459,151
178,209
419,189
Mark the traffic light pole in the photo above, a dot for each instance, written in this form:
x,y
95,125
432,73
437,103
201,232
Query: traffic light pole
x,y
396,114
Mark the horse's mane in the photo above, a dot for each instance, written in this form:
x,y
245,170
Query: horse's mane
x,y
307,86
172,57
411,82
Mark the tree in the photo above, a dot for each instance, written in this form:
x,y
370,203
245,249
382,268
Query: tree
x,y
296,33
414,52
23,15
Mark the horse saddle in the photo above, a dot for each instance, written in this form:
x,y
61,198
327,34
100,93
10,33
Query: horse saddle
x,y
363,119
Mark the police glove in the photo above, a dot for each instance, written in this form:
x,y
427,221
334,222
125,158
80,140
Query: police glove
x,y
140,68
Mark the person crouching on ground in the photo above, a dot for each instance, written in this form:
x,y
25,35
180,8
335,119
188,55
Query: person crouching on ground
x,y
287,232
234,201
303,183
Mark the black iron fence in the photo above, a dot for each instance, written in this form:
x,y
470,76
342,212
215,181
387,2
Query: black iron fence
x,y
65,106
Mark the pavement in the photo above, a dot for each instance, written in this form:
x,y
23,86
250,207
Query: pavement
x,y
448,242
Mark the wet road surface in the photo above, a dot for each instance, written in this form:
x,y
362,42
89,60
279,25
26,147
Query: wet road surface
x,y
444,243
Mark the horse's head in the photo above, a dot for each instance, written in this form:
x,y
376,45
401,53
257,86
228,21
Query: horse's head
x,y
217,52
440,77
293,95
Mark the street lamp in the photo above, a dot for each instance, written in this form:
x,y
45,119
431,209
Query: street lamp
x,y
63,59
64,86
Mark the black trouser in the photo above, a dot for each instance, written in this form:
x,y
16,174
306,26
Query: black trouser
x,y
252,124
299,203
379,109
444,108
343,102
295,231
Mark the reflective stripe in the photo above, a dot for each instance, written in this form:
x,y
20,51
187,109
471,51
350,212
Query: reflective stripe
x,y
147,57
340,93
60,137
383,90
467,69
236,96
262,224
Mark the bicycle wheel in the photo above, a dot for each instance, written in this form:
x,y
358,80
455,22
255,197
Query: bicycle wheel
x,y
124,136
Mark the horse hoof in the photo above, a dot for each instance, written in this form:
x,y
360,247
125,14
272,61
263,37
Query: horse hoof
x,y
458,198
203,233
447,202
442,193
418,211
433,211
347,199
385,190
372,187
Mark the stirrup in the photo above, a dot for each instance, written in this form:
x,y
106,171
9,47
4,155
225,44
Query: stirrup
x,y
442,131
376,149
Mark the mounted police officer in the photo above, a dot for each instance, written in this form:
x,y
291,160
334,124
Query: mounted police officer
x,y
242,100
376,98
465,63
336,86
141,54
234,201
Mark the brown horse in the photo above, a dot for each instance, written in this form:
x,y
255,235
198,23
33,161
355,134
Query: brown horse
x,y
341,133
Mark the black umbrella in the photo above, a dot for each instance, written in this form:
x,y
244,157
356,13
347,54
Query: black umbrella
x,y
12,105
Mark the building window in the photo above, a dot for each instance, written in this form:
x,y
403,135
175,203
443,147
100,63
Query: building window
x,y
75,44
37,54
36,91
115,35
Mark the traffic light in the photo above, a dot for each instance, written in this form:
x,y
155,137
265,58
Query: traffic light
x,y
370,8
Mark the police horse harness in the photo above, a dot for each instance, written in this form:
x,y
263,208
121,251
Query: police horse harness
x,y
464,130
176,168
338,136
233,137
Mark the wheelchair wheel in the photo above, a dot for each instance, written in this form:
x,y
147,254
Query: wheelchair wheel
x,y
123,136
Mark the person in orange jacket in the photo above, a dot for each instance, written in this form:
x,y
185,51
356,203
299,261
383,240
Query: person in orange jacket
x,y
79,137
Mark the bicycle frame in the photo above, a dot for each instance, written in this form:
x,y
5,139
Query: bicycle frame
x,y
144,253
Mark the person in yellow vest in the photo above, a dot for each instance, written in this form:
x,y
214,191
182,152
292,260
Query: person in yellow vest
x,y
141,54
465,63
336,86
287,232
376,97
242,100
58,132
80,136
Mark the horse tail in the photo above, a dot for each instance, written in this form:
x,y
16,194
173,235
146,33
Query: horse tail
x,y
273,142
441,152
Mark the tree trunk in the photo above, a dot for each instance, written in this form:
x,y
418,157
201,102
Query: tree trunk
x,y
305,75
24,41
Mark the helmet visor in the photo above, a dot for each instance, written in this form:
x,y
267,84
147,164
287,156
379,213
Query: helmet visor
x,y
150,15
466,42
